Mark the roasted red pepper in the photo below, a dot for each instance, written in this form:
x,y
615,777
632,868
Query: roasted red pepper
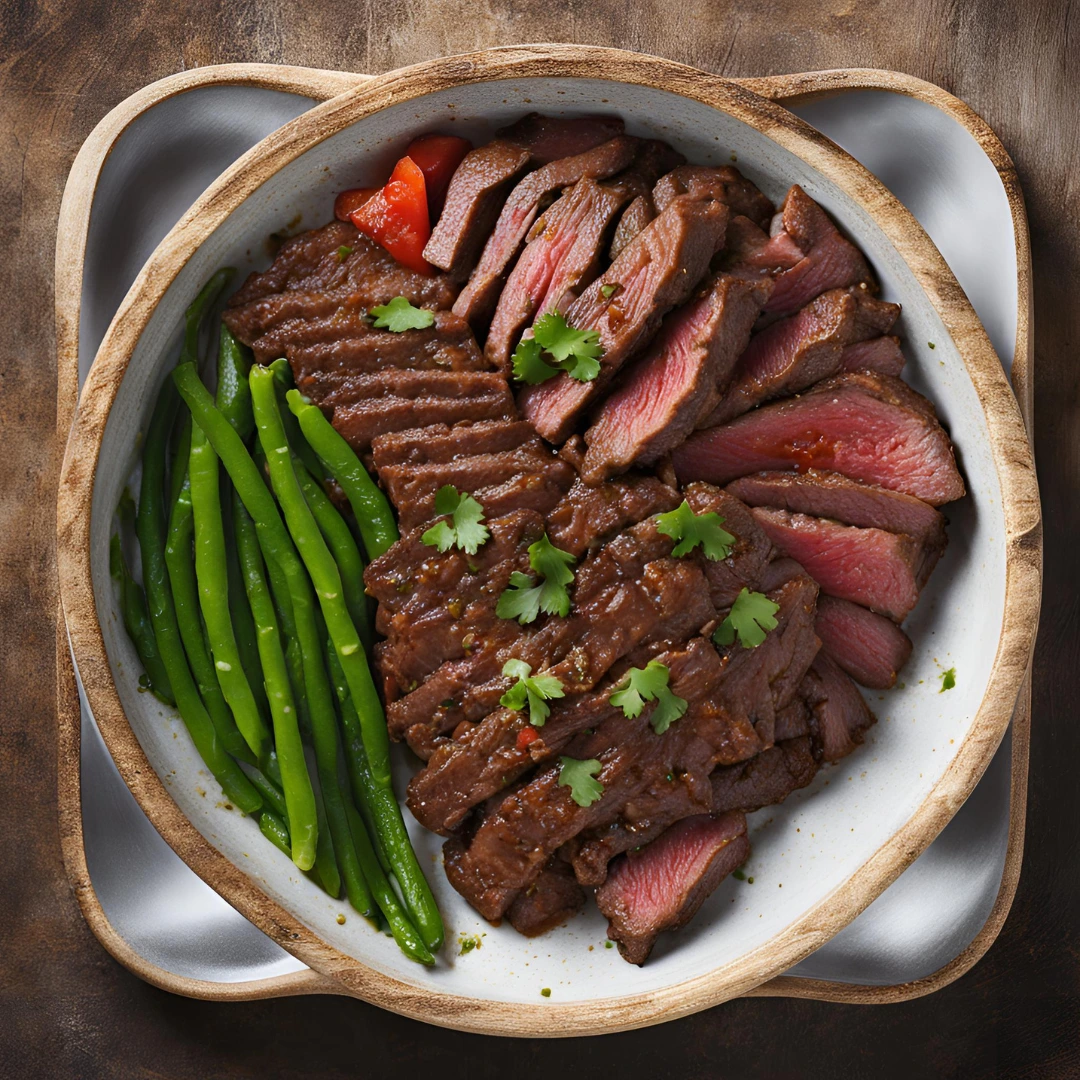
x,y
397,216
438,157
348,202
525,737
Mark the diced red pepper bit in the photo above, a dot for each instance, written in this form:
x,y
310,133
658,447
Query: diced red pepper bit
x,y
525,737
397,216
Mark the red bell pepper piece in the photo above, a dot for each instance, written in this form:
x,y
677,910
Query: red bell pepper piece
x,y
348,202
397,216
438,157
525,737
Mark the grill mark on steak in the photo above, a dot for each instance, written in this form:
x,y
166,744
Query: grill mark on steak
x,y
866,426
665,393
477,300
869,647
659,269
723,183
443,443
663,886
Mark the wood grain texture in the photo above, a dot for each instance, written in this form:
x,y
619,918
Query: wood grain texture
x,y
65,1002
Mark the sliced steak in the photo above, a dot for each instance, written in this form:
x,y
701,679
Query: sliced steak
x,y
587,516
548,138
552,899
839,715
633,219
723,183
442,443
883,571
749,249
659,269
767,778
869,647
665,394
882,354
474,198
563,253
830,495
477,300
663,886
866,426
830,262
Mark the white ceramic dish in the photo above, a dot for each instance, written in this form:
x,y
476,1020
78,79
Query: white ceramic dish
x,y
819,858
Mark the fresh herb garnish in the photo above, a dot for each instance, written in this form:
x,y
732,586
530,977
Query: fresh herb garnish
x,y
579,777
536,690
608,291
464,529
399,315
691,529
751,617
948,680
556,346
525,599
344,252
649,683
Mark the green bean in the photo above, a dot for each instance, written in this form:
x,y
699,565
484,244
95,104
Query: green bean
x,y
283,383
373,514
273,796
178,470
240,608
212,578
288,758
233,396
275,830
383,814
180,561
133,609
278,546
150,525
198,310
326,868
339,539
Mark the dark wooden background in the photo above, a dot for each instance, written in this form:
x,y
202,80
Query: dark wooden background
x,y
66,1009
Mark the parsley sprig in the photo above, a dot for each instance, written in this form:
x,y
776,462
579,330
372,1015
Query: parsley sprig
x,y
557,346
751,617
649,683
534,690
691,529
526,598
399,315
464,529
579,777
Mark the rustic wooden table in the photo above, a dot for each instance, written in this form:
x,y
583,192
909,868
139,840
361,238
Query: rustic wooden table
x,y
69,1010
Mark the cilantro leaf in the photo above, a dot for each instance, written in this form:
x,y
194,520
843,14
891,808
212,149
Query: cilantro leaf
x,y
948,680
528,365
752,616
536,690
649,683
344,252
691,529
608,291
557,346
579,777
464,529
525,598
399,315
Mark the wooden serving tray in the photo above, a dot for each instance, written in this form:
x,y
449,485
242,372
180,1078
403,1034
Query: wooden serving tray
x,y
247,965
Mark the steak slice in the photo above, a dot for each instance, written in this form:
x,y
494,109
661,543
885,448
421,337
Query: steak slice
x,y
869,647
839,715
883,571
548,138
351,389
882,354
563,252
586,516
474,198
477,300
552,899
749,249
664,395
311,263
723,183
442,443
797,352
830,495
663,886
866,426
632,220
830,262
767,778
659,269
367,409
